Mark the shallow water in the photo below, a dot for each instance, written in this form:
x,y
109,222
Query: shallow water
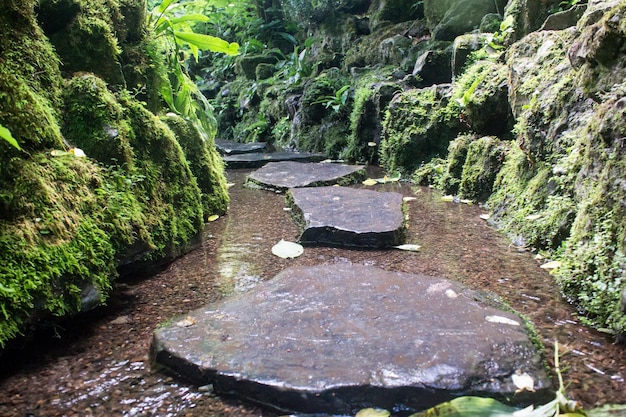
x,y
100,365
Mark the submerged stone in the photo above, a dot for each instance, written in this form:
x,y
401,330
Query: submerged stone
x,y
289,174
258,159
229,147
341,216
338,338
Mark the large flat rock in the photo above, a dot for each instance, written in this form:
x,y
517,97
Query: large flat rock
x,y
229,147
337,338
281,176
342,216
258,159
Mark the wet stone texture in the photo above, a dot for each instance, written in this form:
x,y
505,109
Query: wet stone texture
x,y
341,216
280,176
258,159
338,338
229,147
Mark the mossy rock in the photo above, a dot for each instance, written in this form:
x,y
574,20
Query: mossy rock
x,y
95,121
455,161
482,92
30,81
448,19
205,163
418,126
385,12
485,157
247,64
70,219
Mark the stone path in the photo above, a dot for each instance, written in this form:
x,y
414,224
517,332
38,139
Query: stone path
x,y
340,337
342,216
257,154
281,176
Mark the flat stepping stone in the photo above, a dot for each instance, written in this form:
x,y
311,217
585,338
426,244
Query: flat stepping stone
x,y
337,338
257,159
341,216
281,176
229,147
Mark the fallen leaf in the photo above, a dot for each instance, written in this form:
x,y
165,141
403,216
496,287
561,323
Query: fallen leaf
x,y
213,217
551,265
485,216
372,144
533,217
58,152
523,381
287,250
230,184
409,247
407,199
120,320
79,153
373,412
186,322
370,181
501,320
465,201
448,198
286,208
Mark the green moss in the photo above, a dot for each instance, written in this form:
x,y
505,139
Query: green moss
x,y
362,126
30,80
455,161
484,160
67,223
169,193
418,126
205,163
94,121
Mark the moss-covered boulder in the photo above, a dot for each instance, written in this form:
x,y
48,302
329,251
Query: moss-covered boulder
x,y
419,124
448,19
69,223
30,80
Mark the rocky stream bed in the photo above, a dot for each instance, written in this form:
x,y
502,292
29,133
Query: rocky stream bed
x,y
98,364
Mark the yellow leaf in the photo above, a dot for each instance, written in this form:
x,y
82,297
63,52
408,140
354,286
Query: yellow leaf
x,y
213,217
551,265
370,182
407,199
448,198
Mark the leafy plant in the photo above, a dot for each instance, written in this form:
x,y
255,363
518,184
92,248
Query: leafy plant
x,y
499,38
295,67
337,101
175,23
8,137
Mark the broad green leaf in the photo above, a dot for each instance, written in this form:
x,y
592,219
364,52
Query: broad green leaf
x,y
468,407
164,5
7,136
192,17
208,42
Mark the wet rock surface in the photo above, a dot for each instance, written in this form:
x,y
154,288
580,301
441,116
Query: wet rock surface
x,y
283,175
337,338
229,147
342,216
258,159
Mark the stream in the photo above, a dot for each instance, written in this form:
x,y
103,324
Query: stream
x,y
97,364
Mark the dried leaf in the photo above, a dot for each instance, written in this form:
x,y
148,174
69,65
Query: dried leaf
x,y
523,381
409,247
485,216
213,217
370,181
407,199
551,265
287,250
57,152
79,153
533,217
373,412
230,184
372,144
501,320
186,322
448,198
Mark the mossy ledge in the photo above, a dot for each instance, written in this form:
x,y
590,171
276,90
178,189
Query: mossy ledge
x,y
70,225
